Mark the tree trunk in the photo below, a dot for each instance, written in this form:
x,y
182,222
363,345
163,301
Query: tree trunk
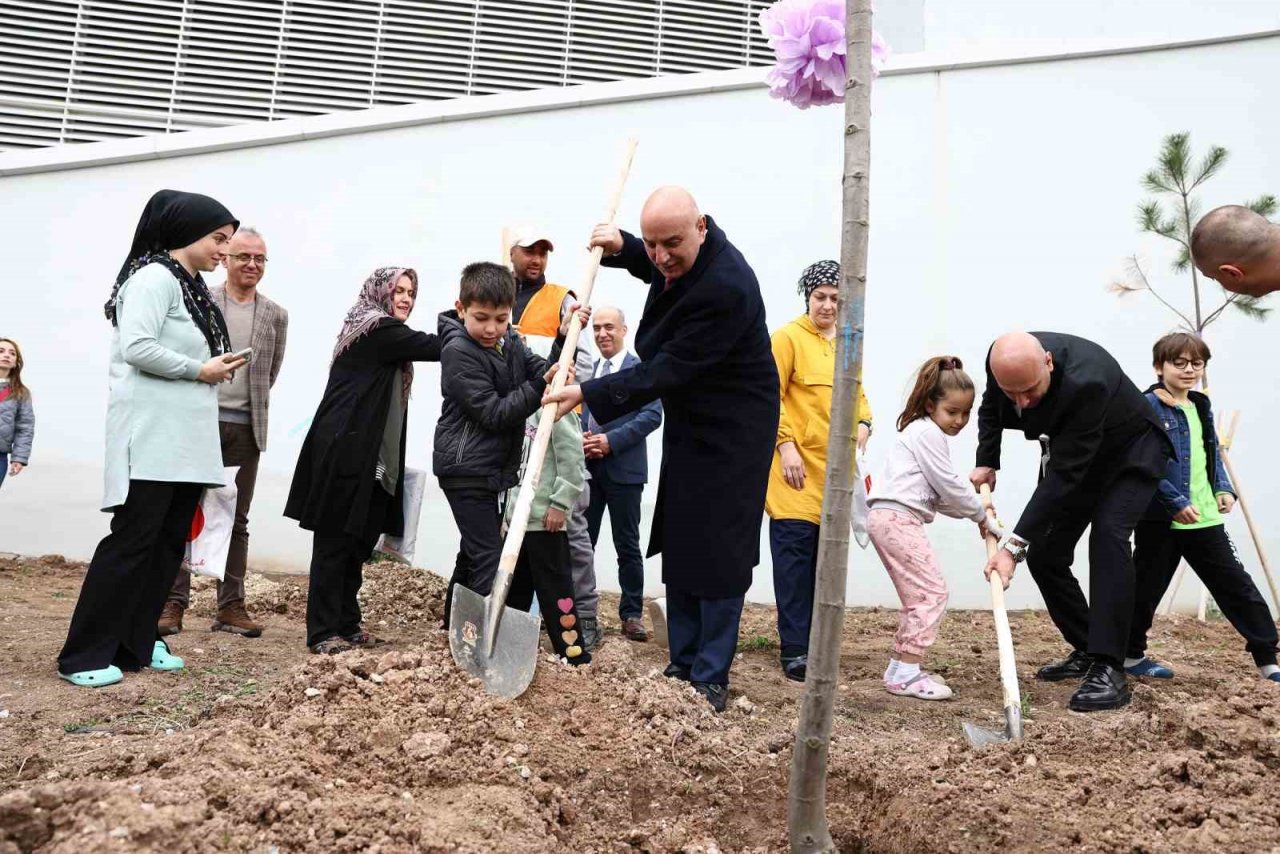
x,y
807,819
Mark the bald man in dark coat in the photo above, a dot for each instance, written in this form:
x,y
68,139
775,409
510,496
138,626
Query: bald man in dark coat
x,y
705,354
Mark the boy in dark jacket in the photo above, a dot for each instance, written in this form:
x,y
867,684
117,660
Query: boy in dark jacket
x,y
491,382
1185,520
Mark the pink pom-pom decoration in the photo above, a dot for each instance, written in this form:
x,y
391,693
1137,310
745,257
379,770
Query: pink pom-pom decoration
x,y
807,37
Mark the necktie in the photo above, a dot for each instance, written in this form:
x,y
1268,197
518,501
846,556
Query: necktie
x,y
607,368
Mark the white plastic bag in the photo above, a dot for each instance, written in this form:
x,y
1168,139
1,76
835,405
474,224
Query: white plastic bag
x,y
210,535
858,518
415,484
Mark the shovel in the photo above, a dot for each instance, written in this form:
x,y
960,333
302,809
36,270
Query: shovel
x,y
496,644
658,617
980,737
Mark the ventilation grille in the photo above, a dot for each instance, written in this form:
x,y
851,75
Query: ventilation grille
x,y
89,70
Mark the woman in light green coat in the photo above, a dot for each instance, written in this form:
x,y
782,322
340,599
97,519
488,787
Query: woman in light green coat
x,y
169,350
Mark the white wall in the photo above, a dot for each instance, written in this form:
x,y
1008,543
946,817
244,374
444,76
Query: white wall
x,y
1003,197
987,24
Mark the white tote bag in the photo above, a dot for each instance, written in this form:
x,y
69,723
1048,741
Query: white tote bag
x,y
210,536
858,518
415,484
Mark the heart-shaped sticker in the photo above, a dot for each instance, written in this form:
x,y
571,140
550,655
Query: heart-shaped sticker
x,y
567,621
569,637
573,652
565,605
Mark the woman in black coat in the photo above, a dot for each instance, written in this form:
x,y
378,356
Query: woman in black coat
x,y
349,483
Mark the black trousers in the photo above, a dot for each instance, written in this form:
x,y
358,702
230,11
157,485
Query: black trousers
x,y
476,513
543,569
794,544
623,503
129,577
1157,550
1112,510
703,634
337,572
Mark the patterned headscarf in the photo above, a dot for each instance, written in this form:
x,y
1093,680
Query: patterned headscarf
x,y
173,219
371,308
817,275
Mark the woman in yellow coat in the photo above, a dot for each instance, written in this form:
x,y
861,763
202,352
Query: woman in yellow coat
x,y
805,350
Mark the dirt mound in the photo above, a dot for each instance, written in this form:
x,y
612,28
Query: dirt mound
x,y
261,594
395,596
403,752
274,749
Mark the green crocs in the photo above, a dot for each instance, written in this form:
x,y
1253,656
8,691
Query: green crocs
x,y
162,659
109,675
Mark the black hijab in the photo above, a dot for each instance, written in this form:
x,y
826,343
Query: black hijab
x,y
173,219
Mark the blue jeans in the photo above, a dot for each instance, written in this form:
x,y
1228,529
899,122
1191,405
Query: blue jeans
x,y
4,467
794,544
623,503
703,634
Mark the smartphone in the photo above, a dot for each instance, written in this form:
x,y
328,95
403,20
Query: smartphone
x,y
246,354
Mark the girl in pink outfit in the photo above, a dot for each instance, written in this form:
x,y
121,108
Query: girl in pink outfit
x,y
918,482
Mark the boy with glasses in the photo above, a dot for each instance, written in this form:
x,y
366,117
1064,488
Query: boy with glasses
x,y
1186,518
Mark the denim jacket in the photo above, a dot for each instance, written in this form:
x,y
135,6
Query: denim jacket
x,y
1174,492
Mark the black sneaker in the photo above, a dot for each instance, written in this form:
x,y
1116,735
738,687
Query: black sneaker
x,y
1103,688
795,667
675,671
1074,666
717,695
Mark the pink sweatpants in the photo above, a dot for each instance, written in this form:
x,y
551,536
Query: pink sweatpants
x,y
905,551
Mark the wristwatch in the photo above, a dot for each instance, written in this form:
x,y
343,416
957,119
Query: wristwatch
x,y
1016,548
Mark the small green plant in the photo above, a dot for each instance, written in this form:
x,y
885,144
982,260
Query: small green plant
x,y
83,726
942,665
1026,705
756,642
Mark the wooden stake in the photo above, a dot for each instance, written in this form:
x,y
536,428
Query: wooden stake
x,y
1224,449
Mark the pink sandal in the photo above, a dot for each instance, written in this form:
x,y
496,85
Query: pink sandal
x,y
922,686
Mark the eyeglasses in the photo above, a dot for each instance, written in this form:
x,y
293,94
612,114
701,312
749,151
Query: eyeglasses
x,y
245,258
1181,364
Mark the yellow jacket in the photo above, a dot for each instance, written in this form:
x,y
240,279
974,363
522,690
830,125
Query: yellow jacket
x,y
806,369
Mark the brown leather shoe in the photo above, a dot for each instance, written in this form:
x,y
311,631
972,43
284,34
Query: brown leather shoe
x,y
235,619
633,629
170,622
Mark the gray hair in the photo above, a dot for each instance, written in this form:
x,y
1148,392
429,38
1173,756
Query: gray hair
x,y
250,230
622,318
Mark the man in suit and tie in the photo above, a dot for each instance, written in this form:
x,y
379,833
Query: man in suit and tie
x,y
257,322
618,459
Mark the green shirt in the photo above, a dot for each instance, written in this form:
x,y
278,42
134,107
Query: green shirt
x,y
1202,497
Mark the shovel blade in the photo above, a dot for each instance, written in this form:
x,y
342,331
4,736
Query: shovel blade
x,y
508,671
658,617
980,737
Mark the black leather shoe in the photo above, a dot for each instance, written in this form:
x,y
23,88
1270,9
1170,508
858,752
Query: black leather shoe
x,y
675,671
717,695
795,668
1074,666
1104,687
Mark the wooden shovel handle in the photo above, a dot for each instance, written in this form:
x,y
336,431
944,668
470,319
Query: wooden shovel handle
x,y
538,451
1004,637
